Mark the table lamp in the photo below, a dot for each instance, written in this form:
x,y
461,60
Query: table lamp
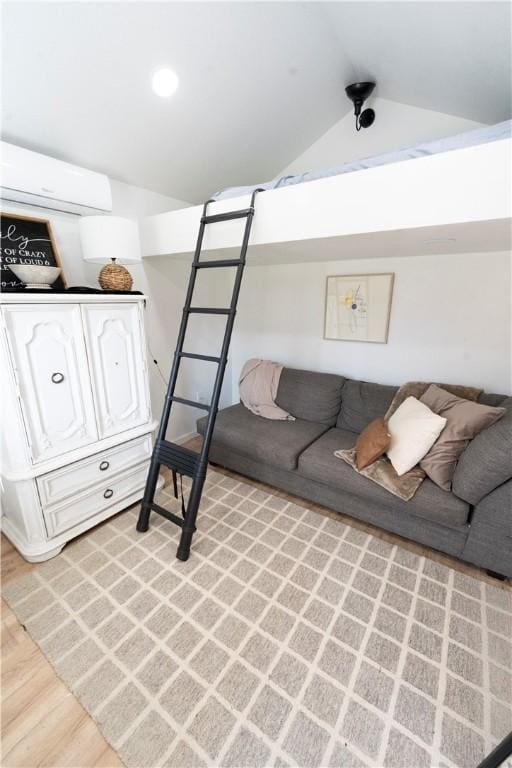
x,y
107,239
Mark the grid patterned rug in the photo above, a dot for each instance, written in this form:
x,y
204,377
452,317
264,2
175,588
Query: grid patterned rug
x,y
287,639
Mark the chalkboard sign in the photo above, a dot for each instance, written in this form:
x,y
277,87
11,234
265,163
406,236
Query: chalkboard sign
x,y
24,240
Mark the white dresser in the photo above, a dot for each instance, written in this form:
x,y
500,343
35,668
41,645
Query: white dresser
x,y
76,415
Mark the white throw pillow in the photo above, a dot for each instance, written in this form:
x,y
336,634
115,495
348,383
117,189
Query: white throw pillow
x,y
414,428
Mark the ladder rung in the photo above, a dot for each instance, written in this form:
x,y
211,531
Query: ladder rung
x,y
176,457
217,263
168,515
192,403
241,214
210,311
193,356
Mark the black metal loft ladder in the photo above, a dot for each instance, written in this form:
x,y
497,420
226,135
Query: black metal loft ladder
x,y
182,461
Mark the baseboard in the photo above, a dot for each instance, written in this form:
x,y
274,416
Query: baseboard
x,y
185,438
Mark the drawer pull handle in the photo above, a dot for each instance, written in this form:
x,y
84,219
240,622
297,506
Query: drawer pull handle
x,y
108,493
104,465
57,378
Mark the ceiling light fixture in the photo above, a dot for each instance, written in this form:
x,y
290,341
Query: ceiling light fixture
x,y
358,93
165,82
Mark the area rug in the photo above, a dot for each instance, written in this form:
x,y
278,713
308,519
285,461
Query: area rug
x,y
287,639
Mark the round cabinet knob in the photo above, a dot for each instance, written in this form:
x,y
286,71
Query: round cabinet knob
x,y
108,493
57,378
104,465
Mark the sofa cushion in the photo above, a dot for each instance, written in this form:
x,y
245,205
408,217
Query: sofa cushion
x,y
310,396
362,402
488,398
272,442
430,502
487,460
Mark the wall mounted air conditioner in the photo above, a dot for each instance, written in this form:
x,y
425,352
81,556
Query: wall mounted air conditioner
x,y
37,180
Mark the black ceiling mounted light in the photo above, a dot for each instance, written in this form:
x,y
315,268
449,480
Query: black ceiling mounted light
x,y
358,93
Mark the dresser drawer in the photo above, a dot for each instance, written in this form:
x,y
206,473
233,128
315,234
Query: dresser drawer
x,y
60,518
78,477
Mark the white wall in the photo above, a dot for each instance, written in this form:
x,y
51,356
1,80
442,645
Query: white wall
x,y
163,282
396,125
450,321
450,317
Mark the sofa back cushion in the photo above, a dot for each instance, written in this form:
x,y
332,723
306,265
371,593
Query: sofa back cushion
x,y
487,460
487,398
310,396
362,402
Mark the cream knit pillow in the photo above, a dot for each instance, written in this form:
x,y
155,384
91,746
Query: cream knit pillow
x,y
414,428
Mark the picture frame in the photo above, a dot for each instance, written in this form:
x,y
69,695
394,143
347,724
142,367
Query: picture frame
x,y
17,234
358,307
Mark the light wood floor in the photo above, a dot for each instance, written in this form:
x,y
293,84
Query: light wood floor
x,y
42,722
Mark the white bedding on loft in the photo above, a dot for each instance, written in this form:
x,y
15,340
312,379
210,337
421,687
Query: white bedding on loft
x,y
468,139
458,200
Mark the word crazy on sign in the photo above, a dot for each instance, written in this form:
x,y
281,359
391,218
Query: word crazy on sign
x,y
25,240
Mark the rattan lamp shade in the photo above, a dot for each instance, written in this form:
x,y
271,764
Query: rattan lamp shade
x,y
109,239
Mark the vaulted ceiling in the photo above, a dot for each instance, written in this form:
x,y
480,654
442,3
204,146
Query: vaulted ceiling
x,y
259,81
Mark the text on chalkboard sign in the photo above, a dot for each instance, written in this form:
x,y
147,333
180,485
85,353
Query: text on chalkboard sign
x,y
24,240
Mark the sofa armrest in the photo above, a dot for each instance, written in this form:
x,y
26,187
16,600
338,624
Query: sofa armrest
x,y
489,543
487,461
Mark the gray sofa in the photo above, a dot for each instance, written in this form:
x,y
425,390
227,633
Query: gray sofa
x,y
473,523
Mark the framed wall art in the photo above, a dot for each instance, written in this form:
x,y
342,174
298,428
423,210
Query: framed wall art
x,y
29,241
358,307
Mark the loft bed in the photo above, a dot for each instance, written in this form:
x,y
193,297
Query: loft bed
x,y
447,196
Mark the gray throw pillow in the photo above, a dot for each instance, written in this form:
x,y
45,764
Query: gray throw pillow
x,y
464,420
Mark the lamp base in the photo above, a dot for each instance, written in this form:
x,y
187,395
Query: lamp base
x,y
115,277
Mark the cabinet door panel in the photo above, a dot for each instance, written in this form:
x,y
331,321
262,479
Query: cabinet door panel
x,y
48,351
115,346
